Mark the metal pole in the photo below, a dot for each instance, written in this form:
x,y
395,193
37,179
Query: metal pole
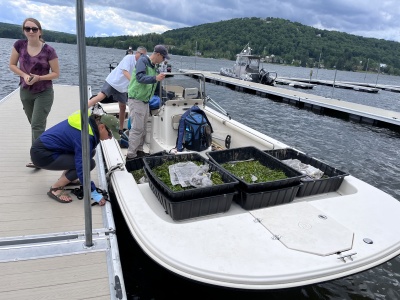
x,y
377,76
319,63
83,92
333,86
366,69
195,56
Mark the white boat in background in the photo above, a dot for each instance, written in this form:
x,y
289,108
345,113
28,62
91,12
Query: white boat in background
x,y
247,67
317,236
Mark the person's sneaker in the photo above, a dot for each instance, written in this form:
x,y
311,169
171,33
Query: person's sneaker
x,y
142,153
130,158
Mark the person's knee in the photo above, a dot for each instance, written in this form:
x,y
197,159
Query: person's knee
x,y
92,164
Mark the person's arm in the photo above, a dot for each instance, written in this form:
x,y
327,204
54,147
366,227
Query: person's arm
x,y
126,74
141,75
14,65
97,197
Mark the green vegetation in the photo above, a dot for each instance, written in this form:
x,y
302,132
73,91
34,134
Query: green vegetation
x,y
253,171
162,172
138,174
278,40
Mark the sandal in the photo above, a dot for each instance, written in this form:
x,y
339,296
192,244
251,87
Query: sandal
x,y
31,165
74,182
58,197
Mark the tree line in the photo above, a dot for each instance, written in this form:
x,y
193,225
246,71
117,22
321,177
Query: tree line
x,y
277,40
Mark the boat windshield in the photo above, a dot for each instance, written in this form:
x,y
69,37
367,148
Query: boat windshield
x,y
242,61
254,63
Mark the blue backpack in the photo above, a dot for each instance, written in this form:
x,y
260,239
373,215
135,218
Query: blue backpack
x,y
194,130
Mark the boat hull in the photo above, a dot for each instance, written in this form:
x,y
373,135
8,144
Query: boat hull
x,y
237,249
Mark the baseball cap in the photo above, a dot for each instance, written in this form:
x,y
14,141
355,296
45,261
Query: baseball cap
x,y
162,50
112,123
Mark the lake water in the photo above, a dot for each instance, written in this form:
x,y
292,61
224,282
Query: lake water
x,y
369,153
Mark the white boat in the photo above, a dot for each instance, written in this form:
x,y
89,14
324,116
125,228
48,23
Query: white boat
x,y
247,67
310,239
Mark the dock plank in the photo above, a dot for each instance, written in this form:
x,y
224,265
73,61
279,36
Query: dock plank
x,y
65,277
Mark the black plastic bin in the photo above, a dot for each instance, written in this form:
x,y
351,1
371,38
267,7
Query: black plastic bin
x,y
137,163
195,202
245,153
262,194
257,200
227,187
316,186
194,208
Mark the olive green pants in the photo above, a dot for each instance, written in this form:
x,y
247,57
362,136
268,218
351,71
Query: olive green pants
x,y
37,107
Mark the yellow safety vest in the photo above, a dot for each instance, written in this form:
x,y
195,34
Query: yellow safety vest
x,y
75,121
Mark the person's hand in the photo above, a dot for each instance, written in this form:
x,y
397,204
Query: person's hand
x,y
95,195
31,79
102,201
160,77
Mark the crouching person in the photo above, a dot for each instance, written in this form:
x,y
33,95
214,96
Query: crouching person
x,y
60,149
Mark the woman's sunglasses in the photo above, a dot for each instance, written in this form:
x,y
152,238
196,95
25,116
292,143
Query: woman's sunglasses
x,y
34,29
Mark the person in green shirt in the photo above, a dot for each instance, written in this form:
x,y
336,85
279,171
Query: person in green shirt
x,y
140,90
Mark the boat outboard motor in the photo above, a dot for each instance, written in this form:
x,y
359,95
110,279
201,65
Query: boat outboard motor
x,y
266,77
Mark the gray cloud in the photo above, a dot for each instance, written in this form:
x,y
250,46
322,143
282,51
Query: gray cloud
x,y
370,18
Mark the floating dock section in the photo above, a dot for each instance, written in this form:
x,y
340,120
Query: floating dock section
x,y
321,105
337,84
42,242
293,83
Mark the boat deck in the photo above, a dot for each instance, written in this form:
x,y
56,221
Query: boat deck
x,y
318,104
42,242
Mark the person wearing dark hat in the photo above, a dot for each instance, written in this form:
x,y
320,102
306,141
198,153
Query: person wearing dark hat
x,y
59,148
140,90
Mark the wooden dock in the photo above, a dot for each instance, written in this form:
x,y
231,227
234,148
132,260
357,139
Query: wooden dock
x,y
42,242
321,105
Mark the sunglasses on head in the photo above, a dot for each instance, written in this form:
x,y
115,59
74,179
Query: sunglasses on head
x,y
34,29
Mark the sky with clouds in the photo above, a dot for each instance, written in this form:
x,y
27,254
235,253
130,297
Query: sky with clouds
x,y
368,18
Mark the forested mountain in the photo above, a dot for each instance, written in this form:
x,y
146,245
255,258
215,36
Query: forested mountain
x,y
279,40
12,31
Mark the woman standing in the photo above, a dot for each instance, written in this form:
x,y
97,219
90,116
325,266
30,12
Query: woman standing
x,y
37,65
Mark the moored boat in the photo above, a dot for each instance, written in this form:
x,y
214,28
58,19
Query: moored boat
x,y
247,67
332,228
